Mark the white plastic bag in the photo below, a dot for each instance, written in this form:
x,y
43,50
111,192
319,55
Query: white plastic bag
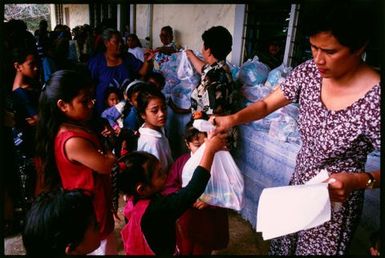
x,y
185,69
225,187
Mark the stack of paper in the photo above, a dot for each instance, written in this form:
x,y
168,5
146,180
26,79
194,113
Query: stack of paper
x,y
288,209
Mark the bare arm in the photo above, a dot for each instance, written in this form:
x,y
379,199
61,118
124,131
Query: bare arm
x,y
255,111
147,63
197,63
83,151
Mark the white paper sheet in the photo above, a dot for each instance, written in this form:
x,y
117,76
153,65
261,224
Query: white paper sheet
x,y
288,209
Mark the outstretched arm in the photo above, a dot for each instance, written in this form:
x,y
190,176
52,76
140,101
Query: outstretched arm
x,y
255,111
196,61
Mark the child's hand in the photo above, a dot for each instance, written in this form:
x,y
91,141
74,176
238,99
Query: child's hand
x,y
216,142
117,130
106,132
200,205
197,115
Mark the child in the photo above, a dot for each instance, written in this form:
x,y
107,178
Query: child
x,y
151,227
202,228
24,98
61,222
123,118
152,108
112,96
156,79
70,152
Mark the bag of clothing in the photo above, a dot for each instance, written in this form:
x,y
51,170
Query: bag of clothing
x,y
253,72
225,187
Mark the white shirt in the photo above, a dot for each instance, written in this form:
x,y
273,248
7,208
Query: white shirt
x,y
156,143
138,52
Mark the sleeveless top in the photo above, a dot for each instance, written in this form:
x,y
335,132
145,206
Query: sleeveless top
x,y
134,241
77,176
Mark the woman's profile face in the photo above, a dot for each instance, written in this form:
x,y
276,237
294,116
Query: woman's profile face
x,y
332,59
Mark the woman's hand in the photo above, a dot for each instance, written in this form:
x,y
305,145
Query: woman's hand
x,y
341,185
190,54
221,123
149,54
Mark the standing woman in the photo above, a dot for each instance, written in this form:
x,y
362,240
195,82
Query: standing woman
x,y
113,68
339,121
212,95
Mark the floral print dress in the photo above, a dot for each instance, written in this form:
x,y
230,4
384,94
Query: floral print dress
x,y
338,141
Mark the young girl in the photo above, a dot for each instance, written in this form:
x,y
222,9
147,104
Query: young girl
x,y
152,108
70,152
24,98
151,227
202,228
123,118
112,96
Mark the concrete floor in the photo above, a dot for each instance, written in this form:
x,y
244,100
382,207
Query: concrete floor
x,y
243,239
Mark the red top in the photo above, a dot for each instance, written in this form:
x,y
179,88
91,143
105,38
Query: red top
x,y
134,241
77,176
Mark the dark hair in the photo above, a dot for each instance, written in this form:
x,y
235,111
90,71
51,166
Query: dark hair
x,y
20,54
65,85
145,95
191,132
219,40
167,29
135,173
158,77
350,22
108,33
138,86
110,90
135,37
57,219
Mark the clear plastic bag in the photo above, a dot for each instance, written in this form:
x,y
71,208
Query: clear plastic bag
x,y
225,187
185,69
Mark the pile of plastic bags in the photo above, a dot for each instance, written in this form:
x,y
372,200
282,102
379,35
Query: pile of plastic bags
x,y
258,82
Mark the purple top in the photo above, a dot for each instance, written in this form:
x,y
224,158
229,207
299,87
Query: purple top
x,y
338,141
112,76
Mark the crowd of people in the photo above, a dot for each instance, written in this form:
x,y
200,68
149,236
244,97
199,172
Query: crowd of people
x,y
86,116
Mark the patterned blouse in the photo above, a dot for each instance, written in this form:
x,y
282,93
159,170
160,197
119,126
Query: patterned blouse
x,y
212,95
338,141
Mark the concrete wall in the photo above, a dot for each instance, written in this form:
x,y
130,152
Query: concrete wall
x,y
189,21
79,14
